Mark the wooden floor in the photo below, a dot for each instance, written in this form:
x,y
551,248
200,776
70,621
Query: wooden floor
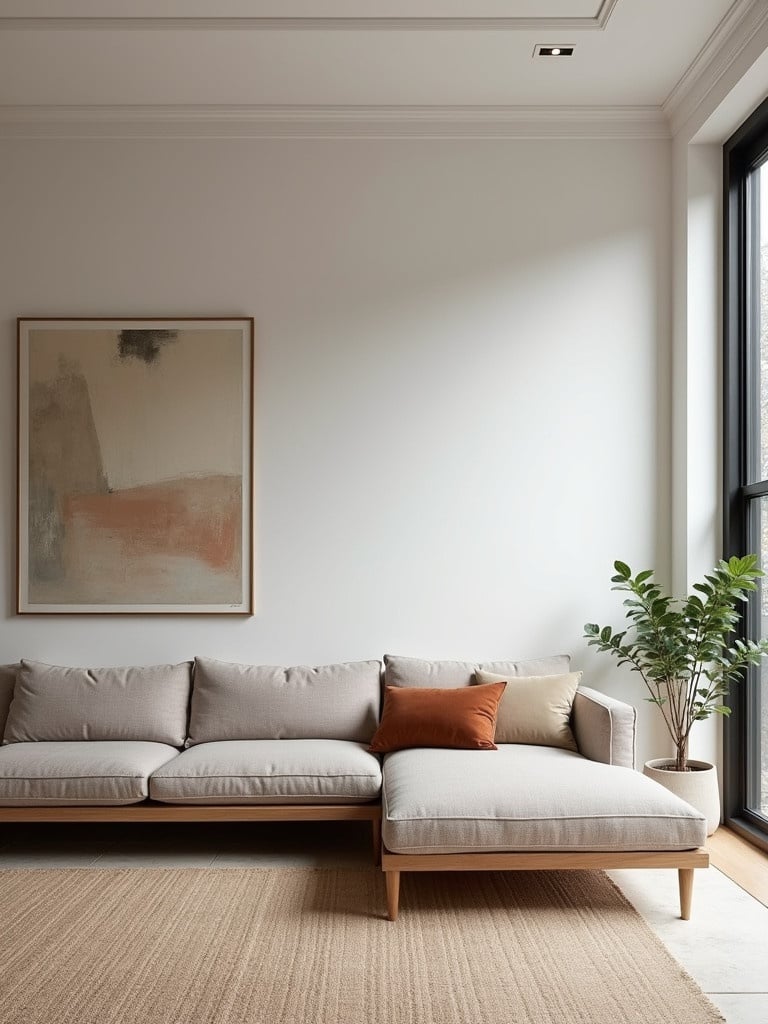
x,y
740,861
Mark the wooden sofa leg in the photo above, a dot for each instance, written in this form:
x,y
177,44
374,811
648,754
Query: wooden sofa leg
x,y
393,893
376,829
685,879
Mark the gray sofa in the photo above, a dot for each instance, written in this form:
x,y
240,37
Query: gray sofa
x,y
211,740
138,744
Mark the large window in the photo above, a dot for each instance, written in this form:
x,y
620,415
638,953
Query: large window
x,y
746,451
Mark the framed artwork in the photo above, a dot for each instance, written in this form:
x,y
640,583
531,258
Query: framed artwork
x,y
135,490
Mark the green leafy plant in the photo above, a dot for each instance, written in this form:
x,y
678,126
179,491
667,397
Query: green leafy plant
x,y
684,649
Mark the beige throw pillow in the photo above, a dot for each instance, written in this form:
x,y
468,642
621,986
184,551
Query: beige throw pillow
x,y
535,709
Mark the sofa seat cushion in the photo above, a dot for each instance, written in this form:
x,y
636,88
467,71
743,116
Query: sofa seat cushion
x,y
527,798
98,772
270,772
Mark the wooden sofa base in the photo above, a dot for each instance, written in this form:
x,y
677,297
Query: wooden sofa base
x,y
685,861
150,810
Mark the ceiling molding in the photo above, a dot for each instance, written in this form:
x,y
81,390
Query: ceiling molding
x,y
408,23
743,19
289,122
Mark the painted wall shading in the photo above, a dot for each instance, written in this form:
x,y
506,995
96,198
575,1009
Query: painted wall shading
x,y
134,467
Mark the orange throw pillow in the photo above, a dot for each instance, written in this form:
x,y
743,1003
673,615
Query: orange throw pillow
x,y
415,716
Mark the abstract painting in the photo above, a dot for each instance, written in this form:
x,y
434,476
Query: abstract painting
x,y
135,466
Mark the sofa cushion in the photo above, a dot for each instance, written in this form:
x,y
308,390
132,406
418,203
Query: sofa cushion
x,y
7,683
421,716
400,671
52,703
265,702
99,772
535,709
526,798
269,772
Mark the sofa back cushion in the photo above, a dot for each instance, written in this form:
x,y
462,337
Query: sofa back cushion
x,y
7,683
268,702
51,703
450,674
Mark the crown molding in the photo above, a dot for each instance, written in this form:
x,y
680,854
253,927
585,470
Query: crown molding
x,y
407,23
732,35
289,122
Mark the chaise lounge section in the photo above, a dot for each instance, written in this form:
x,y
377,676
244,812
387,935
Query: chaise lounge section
x,y
531,806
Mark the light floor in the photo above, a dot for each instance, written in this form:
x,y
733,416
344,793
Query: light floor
x,y
724,947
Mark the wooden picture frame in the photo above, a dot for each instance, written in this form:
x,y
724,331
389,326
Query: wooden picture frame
x,y
135,465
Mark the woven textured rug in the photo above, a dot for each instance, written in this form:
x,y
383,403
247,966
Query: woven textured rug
x,y
298,946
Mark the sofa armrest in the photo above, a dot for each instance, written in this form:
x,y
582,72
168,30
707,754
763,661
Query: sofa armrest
x,y
604,728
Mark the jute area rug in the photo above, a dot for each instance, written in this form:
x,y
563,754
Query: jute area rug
x,y
298,946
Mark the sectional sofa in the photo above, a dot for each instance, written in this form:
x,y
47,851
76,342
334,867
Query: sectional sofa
x,y
210,740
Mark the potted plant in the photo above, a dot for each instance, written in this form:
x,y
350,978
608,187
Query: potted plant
x,y
687,656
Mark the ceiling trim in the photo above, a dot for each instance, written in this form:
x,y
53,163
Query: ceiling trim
x,y
312,122
598,21
743,19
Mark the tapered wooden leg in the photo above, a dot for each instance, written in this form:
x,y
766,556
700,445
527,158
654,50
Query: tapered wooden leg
x,y
376,829
393,893
685,878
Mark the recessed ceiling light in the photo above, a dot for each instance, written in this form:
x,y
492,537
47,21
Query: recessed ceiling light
x,y
553,50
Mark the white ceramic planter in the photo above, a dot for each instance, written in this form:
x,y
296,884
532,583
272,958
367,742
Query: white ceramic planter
x,y
698,787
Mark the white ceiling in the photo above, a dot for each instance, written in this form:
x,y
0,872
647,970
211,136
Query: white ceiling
x,y
305,8
343,52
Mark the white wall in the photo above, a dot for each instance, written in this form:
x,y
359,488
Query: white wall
x,y
697,406
462,379
717,105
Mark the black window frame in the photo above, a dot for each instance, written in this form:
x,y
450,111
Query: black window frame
x,y
742,153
